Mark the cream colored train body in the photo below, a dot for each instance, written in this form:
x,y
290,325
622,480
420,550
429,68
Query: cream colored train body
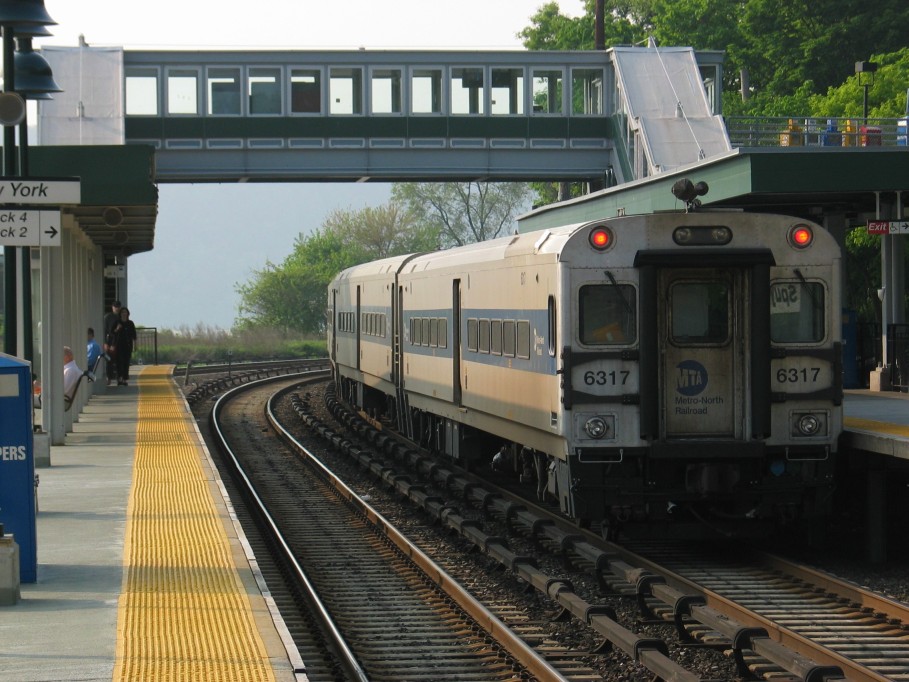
x,y
659,368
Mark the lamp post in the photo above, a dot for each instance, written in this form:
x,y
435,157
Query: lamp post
x,y
20,15
868,68
34,81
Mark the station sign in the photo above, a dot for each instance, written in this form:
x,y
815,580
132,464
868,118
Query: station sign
x,y
888,227
22,227
40,191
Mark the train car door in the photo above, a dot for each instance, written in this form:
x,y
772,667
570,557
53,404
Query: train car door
x,y
456,341
701,331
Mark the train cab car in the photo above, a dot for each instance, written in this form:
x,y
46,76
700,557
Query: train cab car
x,y
672,368
361,333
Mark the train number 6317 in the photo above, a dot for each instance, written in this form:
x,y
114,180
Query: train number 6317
x,y
794,375
604,378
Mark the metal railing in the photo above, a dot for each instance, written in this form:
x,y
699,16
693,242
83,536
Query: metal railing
x,y
808,131
145,351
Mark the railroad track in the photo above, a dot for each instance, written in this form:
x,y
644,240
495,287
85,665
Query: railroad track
x,y
854,634
397,614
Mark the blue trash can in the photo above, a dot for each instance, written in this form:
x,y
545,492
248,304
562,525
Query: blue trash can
x,y
17,462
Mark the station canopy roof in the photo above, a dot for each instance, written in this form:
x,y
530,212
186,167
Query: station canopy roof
x,y
119,196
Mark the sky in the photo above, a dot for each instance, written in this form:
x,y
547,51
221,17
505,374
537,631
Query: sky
x,y
211,237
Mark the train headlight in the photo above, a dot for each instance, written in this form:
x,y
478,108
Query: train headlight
x,y
702,235
808,425
601,238
801,236
596,427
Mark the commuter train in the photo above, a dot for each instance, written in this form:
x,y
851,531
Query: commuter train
x,y
672,370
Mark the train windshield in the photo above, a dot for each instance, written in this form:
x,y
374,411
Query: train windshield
x,y
607,314
796,312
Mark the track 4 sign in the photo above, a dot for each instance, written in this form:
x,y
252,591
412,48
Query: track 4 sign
x,y
20,227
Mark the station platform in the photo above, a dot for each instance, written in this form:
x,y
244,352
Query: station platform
x,y
143,573
876,421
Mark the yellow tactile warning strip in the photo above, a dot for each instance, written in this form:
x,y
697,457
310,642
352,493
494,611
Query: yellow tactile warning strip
x,y
876,427
183,613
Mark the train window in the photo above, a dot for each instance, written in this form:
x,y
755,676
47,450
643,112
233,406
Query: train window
x,y
587,92
386,92
183,91
484,336
426,91
427,336
551,306
547,91
523,339
506,92
306,91
264,91
473,334
141,91
796,312
607,314
508,339
434,332
345,90
466,90
495,337
416,331
443,333
700,312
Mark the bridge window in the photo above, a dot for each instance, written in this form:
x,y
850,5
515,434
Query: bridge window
x,y
507,91
306,91
183,91
141,92
386,92
426,91
264,90
467,90
547,91
223,90
345,90
587,92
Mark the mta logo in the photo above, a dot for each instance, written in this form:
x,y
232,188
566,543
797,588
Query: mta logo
x,y
692,378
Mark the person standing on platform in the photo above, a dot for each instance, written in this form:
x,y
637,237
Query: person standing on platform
x,y
124,338
92,351
110,321
71,373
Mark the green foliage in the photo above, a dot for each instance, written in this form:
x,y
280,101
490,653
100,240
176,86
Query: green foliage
x,y
552,30
863,274
461,213
204,345
787,47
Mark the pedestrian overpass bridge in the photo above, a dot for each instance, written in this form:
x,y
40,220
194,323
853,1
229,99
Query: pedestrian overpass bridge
x,y
601,116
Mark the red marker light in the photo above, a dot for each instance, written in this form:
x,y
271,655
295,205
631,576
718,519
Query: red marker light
x,y
600,238
801,236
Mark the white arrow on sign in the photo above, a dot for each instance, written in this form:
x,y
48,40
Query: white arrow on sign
x,y
29,228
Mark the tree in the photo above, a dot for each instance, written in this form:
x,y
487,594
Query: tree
x,y
291,296
463,212
552,30
381,231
